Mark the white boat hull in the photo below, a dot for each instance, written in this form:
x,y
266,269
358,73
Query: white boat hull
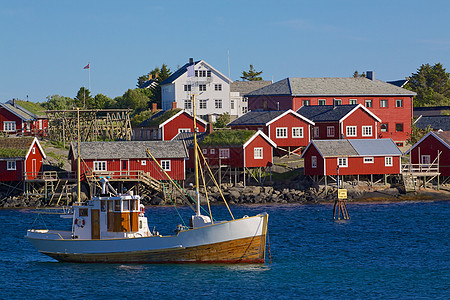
x,y
238,241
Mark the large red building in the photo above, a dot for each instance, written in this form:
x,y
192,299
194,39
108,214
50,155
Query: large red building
x,y
289,130
392,104
353,157
429,148
20,159
342,121
129,159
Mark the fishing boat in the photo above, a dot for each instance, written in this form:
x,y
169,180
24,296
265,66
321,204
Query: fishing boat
x,y
113,228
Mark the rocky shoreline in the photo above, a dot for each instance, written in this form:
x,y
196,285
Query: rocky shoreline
x,y
268,195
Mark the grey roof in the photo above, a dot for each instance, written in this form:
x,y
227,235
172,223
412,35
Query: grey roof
x,y
325,113
444,136
399,83
19,111
130,149
435,122
375,147
430,110
188,138
335,147
245,87
257,117
328,86
178,73
149,83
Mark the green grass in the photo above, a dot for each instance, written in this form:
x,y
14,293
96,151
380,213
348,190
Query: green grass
x,y
10,152
163,117
228,137
33,107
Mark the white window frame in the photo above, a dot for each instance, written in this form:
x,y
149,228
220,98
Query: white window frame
x,y
143,162
384,129
368,103
351,131
202,104
353,101
331,131
281,132
297,132
100,166
322,102
33,151
258,153
342,162
187,104
9,126
231,104
368,160
202,87
205,151
11,165
316,132
388,162
399,101
180,130
212,151
40,124
218,103
306,102
314,162
166,165
337,101
224,153
366,130
425,159
218,87
187,87
383,103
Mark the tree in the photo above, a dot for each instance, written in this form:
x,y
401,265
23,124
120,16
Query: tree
x,y
83,98
134,99
57,102
222,120
101,101
417,133
356,74
251,75
432,85
158,75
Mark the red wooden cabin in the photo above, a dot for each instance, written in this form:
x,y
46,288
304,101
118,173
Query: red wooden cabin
x,y
354,157
15,119
342,121
427,150
20,159
289,130
392,104
129,159
165,125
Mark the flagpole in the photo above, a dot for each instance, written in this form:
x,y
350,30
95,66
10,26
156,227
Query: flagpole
x,y
89,64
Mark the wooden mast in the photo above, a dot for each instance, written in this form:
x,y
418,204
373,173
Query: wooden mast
x,y
78,158
196,158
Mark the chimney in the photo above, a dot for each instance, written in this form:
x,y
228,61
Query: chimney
x,y
191,61
154,107
334,103
209,128
150,76
278,105
174,105
14,102
370,75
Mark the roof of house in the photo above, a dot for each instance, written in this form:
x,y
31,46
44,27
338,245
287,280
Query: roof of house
x,y
355,147
188,138
245,87
227,137
435,122
129,149
442,136
149,83
18,111
326,113
257,117
183,70
159,117
17,147
399,83
328,86
430,110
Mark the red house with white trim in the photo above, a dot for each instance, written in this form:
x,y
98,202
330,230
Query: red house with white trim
x,y
392,104
129,159
165,125
20,159
432,145
15,119
354,157
342,121
289,130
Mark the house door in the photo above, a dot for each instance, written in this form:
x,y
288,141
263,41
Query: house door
x,y
33,169
124,167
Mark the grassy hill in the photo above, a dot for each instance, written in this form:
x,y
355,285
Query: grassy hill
x,y
34,107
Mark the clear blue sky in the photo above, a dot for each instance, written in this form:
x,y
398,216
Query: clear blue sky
x,y
44,44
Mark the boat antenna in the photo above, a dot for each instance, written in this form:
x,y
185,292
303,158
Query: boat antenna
x,y
78,157
196,157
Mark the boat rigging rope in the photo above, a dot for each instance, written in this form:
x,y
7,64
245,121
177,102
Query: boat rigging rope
x,y
42,218
165,189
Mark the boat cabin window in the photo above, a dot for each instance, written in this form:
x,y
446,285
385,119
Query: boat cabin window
x,y
110,206
134,205
83,212
116,205
126,205
103,205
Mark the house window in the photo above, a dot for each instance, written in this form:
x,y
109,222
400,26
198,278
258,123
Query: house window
x,y
187,87
165,165
244,109
100,166
212,151
224,153
9,126
322,102
384,127
330,131
143,162
218,87
202,73
425,159
388,161
337,102
316,132
205,151
258,153
33,151
208,73
342,162
11,165
367,130
353,102
231,104
40,124
313,161
399,127
245,99
368,160
218,103
351,130
368,103
383,103
297,132
202,87
306,102
180,130
188,104
281,132
202,104
399,103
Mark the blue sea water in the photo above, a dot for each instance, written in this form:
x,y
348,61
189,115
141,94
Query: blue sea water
x,y
386,251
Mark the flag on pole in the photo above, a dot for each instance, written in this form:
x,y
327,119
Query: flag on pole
x,y
190,71
87,67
